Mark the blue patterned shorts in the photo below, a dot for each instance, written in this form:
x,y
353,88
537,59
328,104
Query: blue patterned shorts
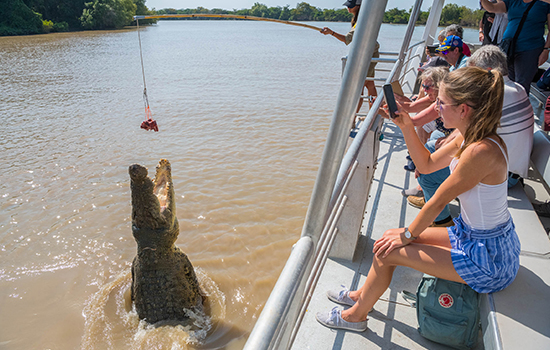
x,y
487,260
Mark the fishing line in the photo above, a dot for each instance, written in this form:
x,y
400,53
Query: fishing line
x,y
149,123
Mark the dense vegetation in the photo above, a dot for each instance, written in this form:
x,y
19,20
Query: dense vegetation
x,y
451,14
43,16
18,17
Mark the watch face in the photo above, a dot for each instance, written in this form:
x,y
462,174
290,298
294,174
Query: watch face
x,y
407,234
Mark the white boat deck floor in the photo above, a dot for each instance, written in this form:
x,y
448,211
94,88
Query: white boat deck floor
x,y
392,324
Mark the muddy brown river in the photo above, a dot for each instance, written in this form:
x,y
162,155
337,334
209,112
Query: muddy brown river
x,y
243,110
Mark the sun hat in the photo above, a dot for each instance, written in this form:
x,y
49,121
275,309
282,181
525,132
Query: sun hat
x,y
352,3
450,42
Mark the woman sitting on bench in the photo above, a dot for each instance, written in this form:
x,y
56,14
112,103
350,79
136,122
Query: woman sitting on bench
x,y
482,249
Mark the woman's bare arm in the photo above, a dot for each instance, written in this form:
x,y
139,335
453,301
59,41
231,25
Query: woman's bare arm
x,y
425,116
419,105
425,161
498,7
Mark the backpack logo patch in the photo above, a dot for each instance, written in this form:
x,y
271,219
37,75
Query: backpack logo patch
x,y
446,300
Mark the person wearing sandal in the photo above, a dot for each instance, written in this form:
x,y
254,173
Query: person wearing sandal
x,y
482,249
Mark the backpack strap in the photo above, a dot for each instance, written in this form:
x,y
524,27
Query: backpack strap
x,y
520,26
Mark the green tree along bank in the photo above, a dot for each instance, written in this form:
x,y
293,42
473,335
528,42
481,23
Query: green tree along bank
x,y
21,17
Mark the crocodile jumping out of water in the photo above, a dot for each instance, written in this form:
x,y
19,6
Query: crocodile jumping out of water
x,y
164,284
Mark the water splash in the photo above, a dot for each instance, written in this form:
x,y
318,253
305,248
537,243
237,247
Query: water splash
x,y
111,321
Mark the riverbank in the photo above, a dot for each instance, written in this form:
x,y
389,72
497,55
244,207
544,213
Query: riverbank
x,y
18,18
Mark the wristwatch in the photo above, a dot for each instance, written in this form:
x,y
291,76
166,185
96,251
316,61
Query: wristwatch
x,y
408,234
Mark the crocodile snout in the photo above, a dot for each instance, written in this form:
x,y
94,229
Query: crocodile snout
x,y
137,172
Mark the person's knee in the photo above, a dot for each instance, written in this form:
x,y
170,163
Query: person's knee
x,y
392,259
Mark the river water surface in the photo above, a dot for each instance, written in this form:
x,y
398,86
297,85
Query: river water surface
x,y
243,110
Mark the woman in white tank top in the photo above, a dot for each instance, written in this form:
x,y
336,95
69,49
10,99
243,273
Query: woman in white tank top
x,y
482,249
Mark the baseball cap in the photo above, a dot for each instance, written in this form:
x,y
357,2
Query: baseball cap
x,y
450,42
352,3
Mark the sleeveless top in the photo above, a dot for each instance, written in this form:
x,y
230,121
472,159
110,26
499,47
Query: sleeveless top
x,y
485,206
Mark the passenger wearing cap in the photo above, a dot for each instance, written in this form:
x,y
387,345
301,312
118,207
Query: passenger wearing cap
x,y
451,49
455,29
353,7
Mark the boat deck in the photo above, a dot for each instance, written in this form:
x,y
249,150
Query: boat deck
x,y
392,324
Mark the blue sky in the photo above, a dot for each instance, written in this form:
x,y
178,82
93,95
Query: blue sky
x,y
329,4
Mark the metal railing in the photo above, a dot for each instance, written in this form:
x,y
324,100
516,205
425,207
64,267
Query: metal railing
x,y
280,319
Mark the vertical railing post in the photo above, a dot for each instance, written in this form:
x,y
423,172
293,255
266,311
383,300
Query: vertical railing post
x,y
409,33
362,48
429,32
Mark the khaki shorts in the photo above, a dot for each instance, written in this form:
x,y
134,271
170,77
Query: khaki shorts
x,y
375,54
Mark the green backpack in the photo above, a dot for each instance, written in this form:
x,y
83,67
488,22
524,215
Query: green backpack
x,y
447,312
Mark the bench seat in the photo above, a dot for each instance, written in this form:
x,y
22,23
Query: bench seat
x,y
519,316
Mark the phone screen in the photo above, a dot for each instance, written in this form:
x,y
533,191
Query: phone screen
x,y
390,100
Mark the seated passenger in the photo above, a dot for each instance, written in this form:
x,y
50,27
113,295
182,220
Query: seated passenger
x,y
455,29
518,119
482,249
430,85
516,126
435,60
452,51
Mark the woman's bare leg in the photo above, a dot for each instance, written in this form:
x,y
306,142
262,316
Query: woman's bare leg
x,y
431,254
371,90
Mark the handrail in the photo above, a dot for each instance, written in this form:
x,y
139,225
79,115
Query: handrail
x,y
278,323
416,44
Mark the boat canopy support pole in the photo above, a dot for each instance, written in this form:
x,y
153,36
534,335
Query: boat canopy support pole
x,y
427,37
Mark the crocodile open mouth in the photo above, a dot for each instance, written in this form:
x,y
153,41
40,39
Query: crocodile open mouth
x,y
152,200
163,182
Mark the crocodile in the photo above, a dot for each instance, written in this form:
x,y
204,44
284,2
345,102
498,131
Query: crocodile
x,y
164,283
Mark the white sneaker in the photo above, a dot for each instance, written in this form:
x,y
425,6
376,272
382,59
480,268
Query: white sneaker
x,y
340,296
333,319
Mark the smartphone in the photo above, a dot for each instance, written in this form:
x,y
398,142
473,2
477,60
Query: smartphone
x,y
431,49
390,100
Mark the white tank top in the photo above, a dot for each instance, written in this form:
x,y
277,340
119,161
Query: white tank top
x,y
485,206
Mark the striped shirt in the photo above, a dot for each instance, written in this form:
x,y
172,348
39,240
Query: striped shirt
x,y
516,127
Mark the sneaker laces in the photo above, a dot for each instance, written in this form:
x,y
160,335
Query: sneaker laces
x,y
334,314
343,292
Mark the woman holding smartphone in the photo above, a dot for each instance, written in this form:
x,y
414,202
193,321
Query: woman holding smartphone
x,y
482,249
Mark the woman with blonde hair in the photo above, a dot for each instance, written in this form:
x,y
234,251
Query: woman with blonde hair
x,y
482,249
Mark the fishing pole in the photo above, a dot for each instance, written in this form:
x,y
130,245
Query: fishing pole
x,y
253,18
